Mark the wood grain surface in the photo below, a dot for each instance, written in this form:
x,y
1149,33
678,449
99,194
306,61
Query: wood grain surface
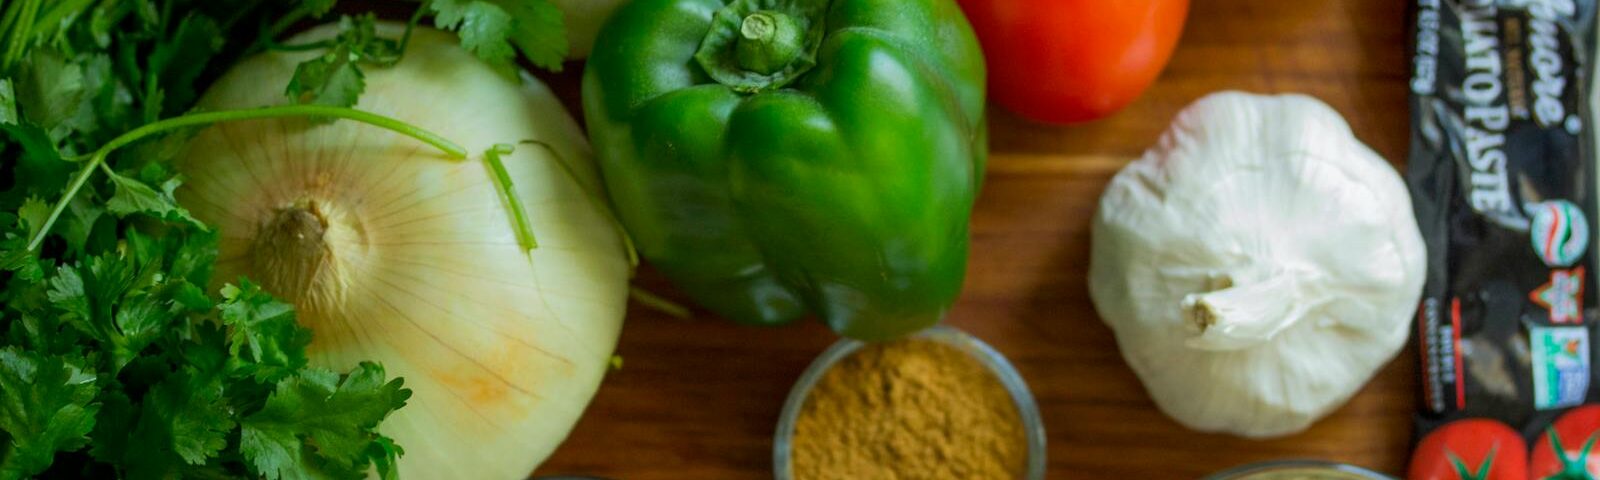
x,y
699,398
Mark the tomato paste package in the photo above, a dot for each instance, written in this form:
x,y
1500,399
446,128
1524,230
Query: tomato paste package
x,y
1502,175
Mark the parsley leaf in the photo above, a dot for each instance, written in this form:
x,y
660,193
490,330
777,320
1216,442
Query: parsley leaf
x,y
317,8
316,422
110,439
39,162
133,196
264,341
331,79
13,250
103,303
385,457
179,60
335,77
8,102
186,419
33,214
16,258
77,223
51,93
490,28
45,407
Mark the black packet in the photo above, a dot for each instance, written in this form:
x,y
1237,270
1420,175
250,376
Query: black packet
x,y
1502,177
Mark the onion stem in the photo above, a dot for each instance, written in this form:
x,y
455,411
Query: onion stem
x,y
657,303
508,191
205,118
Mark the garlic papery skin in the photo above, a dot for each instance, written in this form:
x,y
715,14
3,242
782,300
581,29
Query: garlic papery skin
x,y
1257,265
394,253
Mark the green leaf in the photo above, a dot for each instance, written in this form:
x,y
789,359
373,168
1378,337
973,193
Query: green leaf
x,y
541,33
490,28
179,59
335,78
52,93
40,162
264,341
16,258
318,8
68,294
132,196
112,425
330,79
112,101
106,303
36,332
33,213
8,102
385,457
78,222
53,22
360,33
484,27
139,321
191,297
185,416
315,422
193,258
45,407
106,17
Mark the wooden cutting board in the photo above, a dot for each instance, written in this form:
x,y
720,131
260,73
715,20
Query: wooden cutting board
x,y
699,398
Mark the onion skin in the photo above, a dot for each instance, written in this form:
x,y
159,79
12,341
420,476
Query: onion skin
x,y
394,253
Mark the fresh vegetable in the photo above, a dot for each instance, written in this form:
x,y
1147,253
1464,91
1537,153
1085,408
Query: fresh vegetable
x,y
1470,449
1566,449
494,284
1257,266
1068,61
778,156
117,360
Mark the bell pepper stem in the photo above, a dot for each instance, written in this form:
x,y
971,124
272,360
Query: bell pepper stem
x,y
768,41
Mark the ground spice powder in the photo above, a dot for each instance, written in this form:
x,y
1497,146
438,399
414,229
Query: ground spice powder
x,y
905,410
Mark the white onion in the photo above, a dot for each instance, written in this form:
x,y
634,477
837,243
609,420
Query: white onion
x,y
392,252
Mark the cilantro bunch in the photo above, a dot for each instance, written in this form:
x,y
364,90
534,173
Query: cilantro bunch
x,y
116,359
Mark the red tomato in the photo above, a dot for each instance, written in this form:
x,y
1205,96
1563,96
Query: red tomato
x,y
1474,448
1575,432
1067,61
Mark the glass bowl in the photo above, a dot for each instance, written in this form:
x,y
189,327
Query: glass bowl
x,y
1032,425
1298,470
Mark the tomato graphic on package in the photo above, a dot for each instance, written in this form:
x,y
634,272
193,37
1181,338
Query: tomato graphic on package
x,y
1565,451
1470,449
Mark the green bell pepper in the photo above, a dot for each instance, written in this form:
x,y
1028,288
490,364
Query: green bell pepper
x,y
772,157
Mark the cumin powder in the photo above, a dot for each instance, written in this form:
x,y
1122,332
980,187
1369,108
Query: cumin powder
x,y
910,409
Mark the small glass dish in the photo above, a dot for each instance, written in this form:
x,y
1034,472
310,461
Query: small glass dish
x,y
1032,425
1298,470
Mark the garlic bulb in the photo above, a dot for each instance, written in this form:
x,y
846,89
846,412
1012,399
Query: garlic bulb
x,y
394,253
1258,265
